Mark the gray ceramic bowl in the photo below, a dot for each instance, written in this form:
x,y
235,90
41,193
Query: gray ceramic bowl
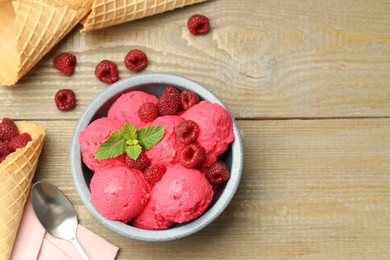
x,y
154,84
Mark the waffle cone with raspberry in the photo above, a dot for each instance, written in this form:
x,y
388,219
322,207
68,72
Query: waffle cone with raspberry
x,y
16,174
106,13
32,28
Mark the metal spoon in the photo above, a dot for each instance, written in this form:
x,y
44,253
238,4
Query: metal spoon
x,y
56,213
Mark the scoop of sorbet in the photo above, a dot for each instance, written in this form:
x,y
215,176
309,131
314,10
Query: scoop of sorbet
x,y
119,193
215,128
182,194
95,134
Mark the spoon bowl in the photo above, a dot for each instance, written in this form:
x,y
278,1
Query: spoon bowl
x,y
56,213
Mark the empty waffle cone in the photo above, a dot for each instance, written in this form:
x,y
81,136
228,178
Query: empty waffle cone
x,y
16,174
32,28
106,13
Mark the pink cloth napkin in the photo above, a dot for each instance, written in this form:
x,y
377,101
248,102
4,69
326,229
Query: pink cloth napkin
x,y
33,242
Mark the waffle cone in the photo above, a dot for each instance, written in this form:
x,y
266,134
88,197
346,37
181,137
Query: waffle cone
x,y
32,28
16,174
106,13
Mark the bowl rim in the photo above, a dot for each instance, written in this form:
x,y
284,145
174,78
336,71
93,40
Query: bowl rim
x,y
129,231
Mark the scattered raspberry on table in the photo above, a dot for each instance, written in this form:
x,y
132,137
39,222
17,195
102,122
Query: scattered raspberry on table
x,y
136,60
65,63
107,71
198,24
65,99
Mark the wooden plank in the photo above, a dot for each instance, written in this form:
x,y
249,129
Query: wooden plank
x,y
312,188
265,59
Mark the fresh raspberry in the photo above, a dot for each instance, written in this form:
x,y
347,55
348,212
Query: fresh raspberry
x,y
192,155
107,71
8,129
19,141
140,164
215,187
187,131
189,99
147,112
65,99
10,122
198,24
172,90
154,173
168,104
169,101
4,148
218,173
65,63
2,158
136,60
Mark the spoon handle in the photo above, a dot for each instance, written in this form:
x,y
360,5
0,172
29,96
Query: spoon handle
x,y
79,248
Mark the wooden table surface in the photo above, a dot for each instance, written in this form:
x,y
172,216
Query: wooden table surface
x,y
309,85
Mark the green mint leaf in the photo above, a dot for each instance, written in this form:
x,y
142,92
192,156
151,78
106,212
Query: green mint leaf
x,y
133,151
129,140
132,142
112,147
129,132
149,136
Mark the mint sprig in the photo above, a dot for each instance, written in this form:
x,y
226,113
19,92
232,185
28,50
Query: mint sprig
x,y
129,140
147,136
